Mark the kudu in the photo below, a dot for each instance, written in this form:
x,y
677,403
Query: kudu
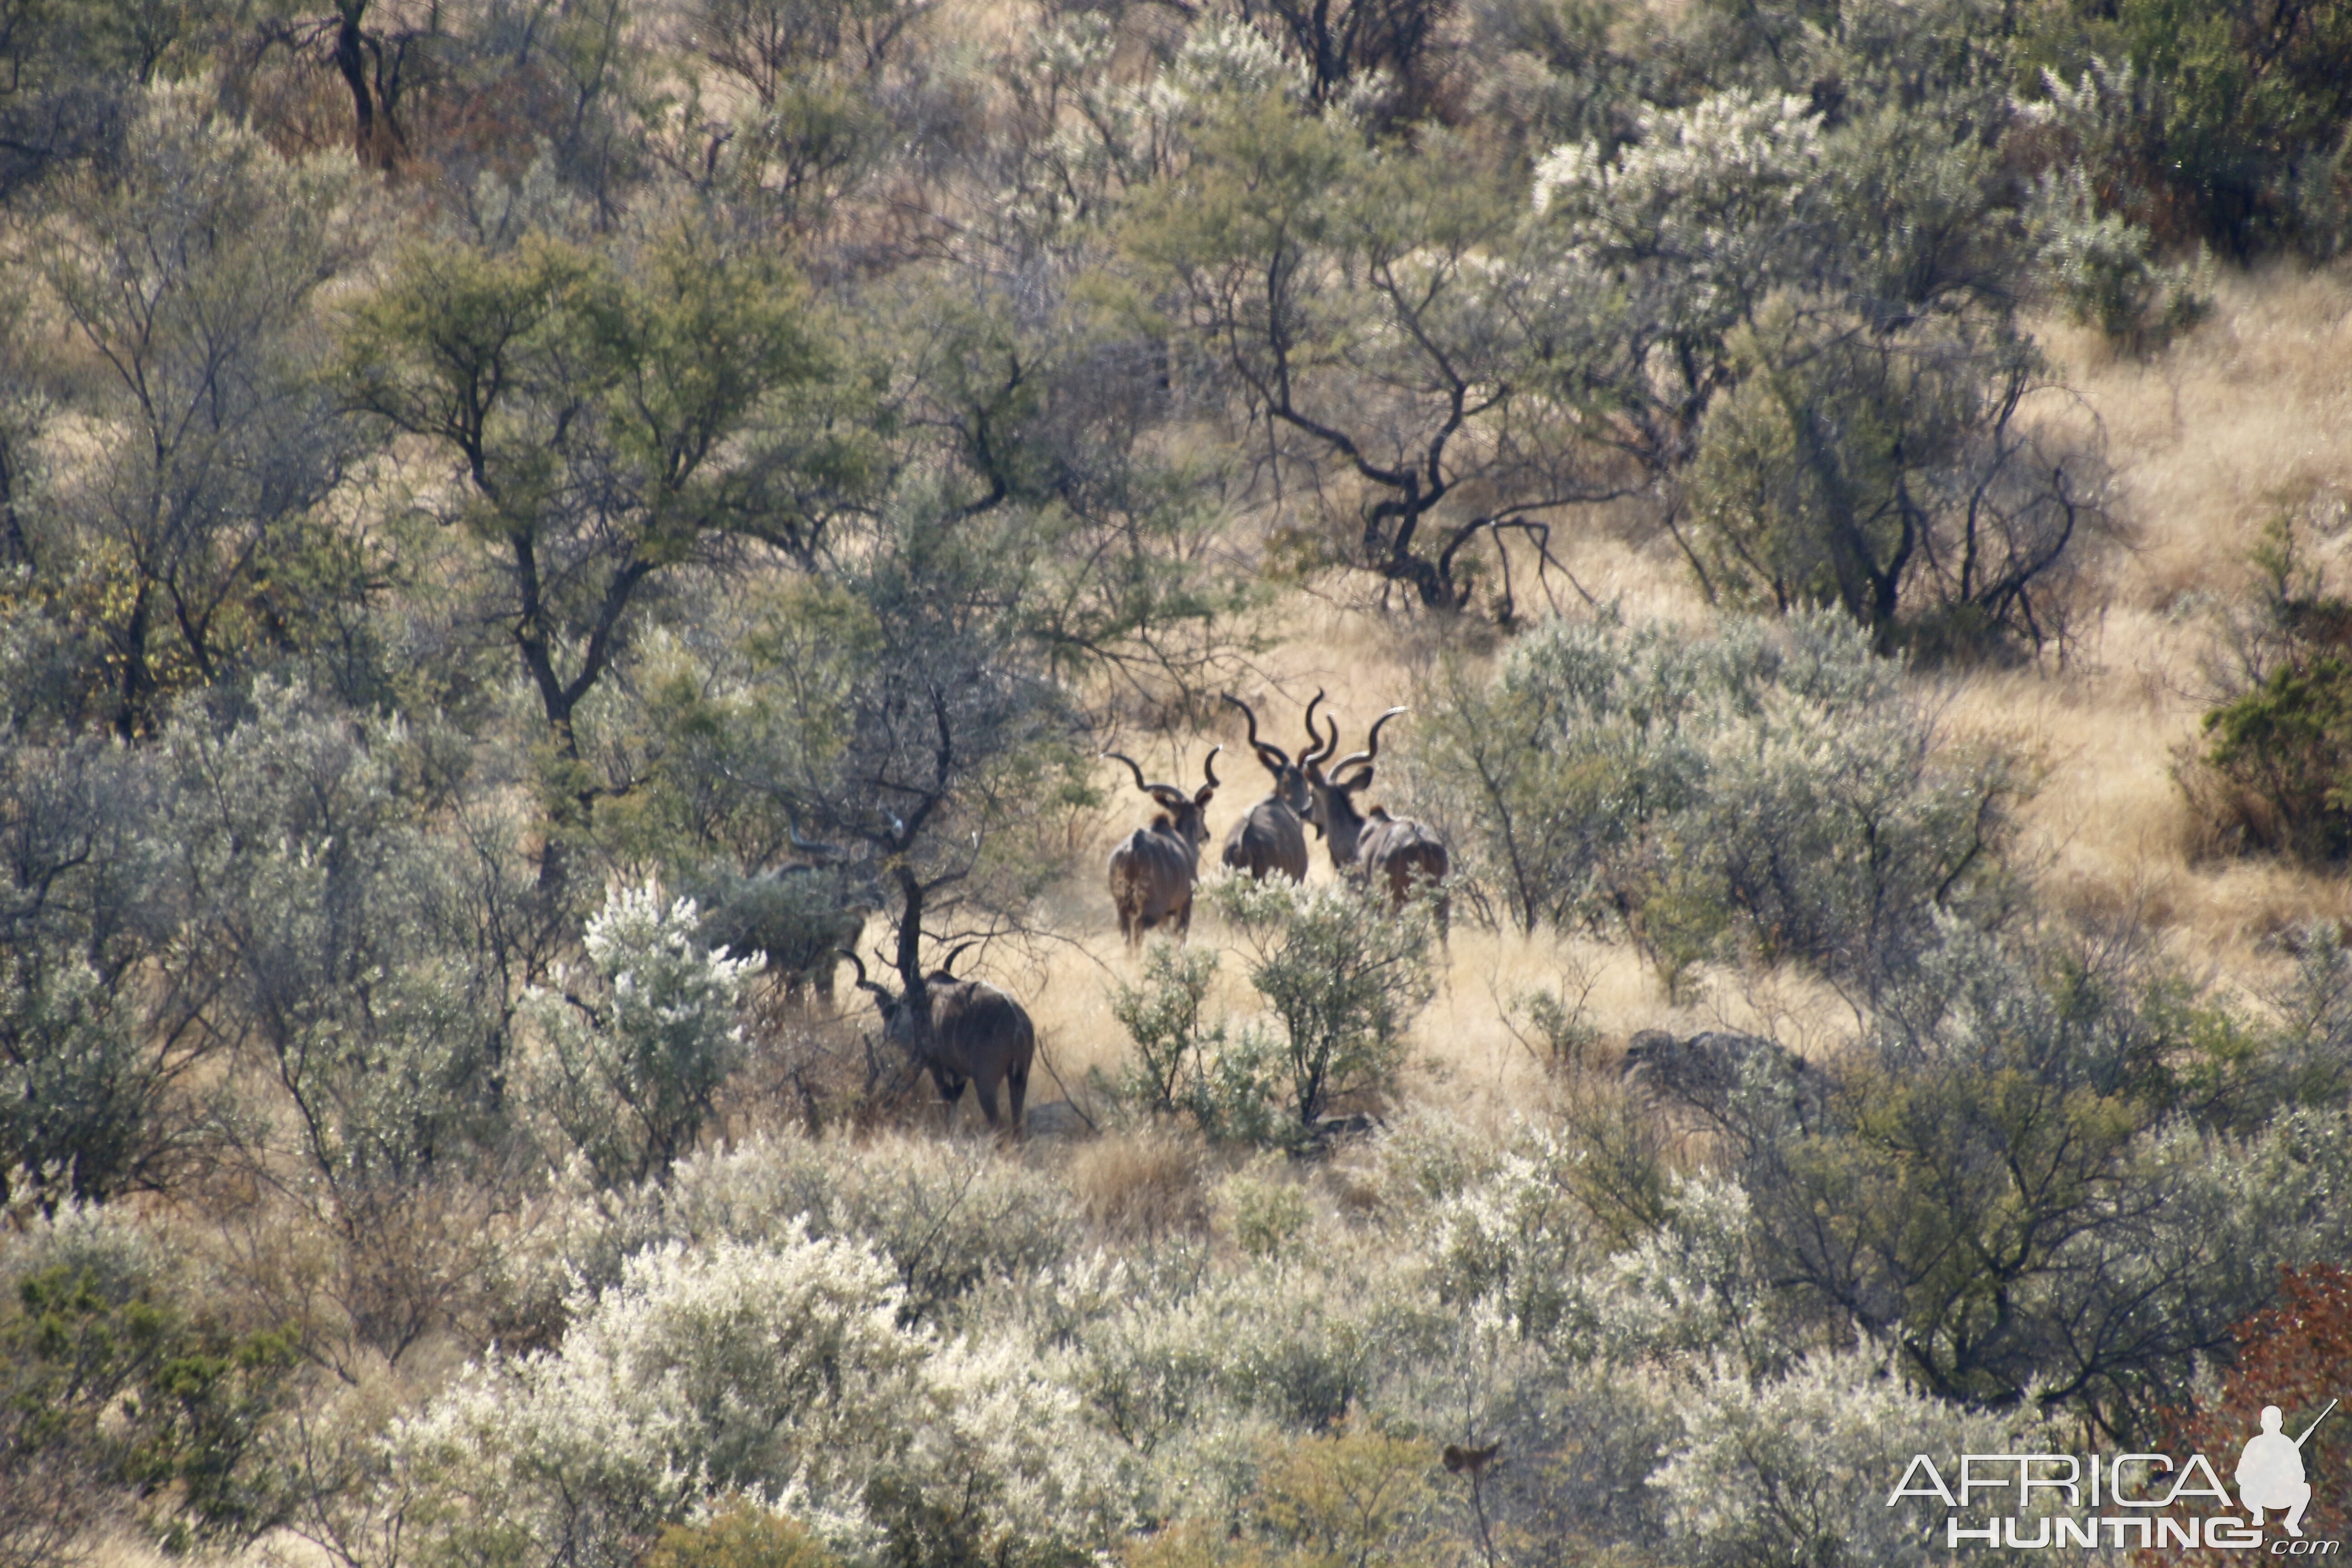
x,y
1394,850
1272,835
1153,869
962,1031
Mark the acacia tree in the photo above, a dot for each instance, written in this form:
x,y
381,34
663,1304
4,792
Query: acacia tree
x,y
1802,329
1888,473
1341,44
1354,298
606,419
188,268
917,724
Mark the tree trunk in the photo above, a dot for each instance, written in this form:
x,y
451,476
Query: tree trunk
x,y
15,550
351,59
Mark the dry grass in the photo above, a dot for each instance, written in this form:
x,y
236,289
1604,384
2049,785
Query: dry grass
x,y
1141,1184
2249,413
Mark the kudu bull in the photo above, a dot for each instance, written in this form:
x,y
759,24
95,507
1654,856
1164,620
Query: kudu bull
x,y
1272,835
962,1031
1153,869
1394,850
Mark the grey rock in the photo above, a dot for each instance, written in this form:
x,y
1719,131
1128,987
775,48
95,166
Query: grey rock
x,y
1728,1078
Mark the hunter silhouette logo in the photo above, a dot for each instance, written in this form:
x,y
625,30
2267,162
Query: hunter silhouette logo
x,y
2270,1472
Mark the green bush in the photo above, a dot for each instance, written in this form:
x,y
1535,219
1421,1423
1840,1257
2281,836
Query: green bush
x,y
1242,1089
2285,749
2275,773
1343,977
1162,1016
1773,791
2225,115
2031,1161
112,1393
740,1536
1900,478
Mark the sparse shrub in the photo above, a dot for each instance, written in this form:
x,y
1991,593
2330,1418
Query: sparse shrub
x,y
1623,1173
2307,1056
2275,773
1199,1544
1162,1016
946,1216
1360,1496
1773,1473
631,1070
1269,1212
1343,977
740,1536
1558,1034
1772,791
